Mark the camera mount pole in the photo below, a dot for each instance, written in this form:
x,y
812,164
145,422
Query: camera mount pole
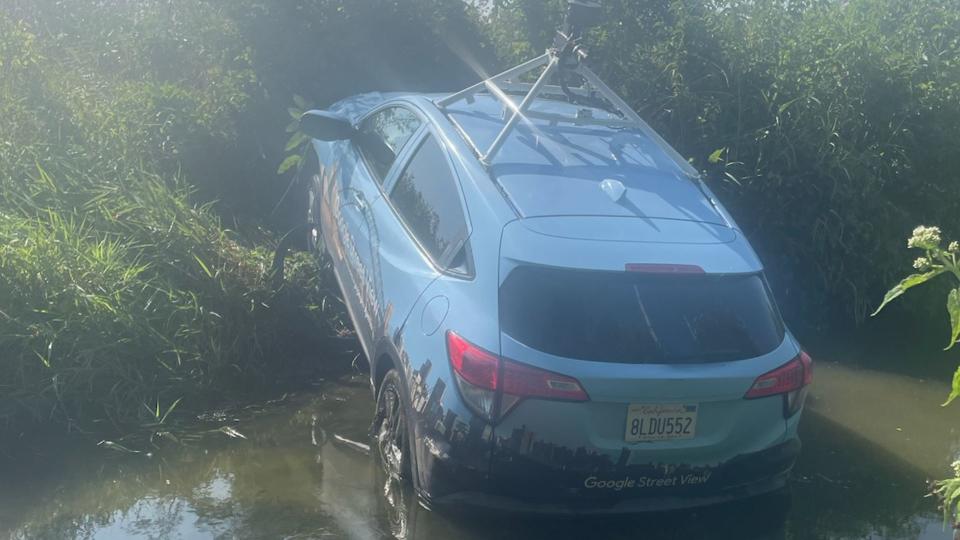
x,y
565,57
518,111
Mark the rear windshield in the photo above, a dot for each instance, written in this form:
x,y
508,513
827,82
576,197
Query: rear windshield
x,y
640,318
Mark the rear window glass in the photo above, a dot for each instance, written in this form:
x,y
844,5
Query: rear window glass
x,y
640,318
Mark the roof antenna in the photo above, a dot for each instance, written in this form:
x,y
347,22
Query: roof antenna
x,y
613,188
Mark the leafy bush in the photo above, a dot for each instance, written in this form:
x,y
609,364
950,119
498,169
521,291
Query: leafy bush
x,y
116,85
115,289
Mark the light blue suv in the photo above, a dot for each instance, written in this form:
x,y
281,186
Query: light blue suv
x,y
558,314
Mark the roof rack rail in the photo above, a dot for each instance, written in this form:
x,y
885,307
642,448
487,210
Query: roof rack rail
x,y
565,57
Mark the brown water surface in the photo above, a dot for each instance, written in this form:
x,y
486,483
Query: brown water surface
x,y
871,439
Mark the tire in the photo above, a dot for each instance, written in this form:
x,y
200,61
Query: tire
x,y
390,430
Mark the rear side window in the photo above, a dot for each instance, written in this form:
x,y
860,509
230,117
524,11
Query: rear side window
x,y
640,318
383,135
427,198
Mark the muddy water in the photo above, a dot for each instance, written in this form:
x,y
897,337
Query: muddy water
x,y
870,441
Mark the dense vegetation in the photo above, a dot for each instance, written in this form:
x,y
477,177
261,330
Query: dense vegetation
x,y
139,142
116,290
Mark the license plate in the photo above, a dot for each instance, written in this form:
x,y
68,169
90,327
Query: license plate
x,y
660,422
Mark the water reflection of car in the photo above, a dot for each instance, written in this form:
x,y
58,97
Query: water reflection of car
x,y
569,321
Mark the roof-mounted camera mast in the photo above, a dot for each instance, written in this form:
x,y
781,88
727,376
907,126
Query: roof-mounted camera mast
x,y
563,61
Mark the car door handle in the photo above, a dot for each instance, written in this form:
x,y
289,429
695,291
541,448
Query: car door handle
x,y
359,200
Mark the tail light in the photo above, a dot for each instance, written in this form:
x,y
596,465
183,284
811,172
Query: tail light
x,y
492,386
790,380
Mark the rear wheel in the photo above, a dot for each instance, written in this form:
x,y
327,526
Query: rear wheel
x,y
390,428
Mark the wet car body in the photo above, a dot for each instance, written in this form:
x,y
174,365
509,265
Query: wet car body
x,y
446,263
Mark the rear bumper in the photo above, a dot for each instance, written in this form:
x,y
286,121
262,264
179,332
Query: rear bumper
x,y
630,489
497,503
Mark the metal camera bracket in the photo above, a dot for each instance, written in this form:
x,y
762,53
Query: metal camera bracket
x,y
564,59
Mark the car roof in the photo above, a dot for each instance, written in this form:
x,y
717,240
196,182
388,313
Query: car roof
x,y
546,169
550,169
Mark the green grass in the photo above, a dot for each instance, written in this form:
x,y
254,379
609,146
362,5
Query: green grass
x,y
135,298
120,294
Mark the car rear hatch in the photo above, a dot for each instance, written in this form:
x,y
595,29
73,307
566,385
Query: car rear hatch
x,y
669,319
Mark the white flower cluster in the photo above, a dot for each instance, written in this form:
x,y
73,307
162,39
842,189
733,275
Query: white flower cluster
x,y
925,238
954,247
922,264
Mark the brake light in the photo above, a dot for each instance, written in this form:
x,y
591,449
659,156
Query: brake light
x,y
807,367
473,364
492,386
527,381
790,379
